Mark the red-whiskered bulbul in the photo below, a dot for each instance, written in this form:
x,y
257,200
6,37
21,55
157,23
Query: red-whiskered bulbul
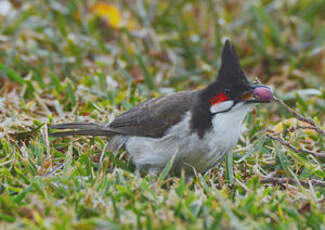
x,y
196,127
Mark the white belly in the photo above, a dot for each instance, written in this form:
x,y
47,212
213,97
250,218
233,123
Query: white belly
x,y
190,151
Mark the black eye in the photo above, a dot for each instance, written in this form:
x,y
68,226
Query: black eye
x,y
228,92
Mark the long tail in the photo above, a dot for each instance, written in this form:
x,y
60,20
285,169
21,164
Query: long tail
x,y
81,129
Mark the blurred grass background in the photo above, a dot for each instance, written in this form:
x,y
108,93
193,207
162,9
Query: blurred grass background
x,y
90,60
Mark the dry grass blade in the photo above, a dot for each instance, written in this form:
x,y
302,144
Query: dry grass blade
x,y
298,150
282,181
301,118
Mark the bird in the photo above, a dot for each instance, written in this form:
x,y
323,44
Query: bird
x,y
192,129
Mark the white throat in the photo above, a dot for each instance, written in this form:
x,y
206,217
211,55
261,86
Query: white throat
x,y
228,124
220,107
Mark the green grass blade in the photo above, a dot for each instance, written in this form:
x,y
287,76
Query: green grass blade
x,y
148,78
229,168
11,74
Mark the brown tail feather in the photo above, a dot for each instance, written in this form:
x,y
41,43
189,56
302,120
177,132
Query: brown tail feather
x,y
82,129
78,125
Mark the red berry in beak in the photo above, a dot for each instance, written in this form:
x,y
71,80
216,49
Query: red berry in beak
x,y
263,94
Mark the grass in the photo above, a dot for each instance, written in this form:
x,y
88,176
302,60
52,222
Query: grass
x,y
60,62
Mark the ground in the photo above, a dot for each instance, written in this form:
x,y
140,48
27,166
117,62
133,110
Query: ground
x,y
84,60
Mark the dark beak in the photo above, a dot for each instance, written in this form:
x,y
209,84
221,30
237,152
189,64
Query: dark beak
x,y
259,93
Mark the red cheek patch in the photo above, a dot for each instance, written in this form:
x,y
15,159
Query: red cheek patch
x,y
220,97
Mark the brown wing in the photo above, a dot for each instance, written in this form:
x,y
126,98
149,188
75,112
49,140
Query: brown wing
x,y
153,117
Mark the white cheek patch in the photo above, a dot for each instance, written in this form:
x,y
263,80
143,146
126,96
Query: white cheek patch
x,y
222,106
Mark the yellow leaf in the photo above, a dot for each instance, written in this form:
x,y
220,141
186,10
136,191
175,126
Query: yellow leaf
x,y
292,123
288,122
108,12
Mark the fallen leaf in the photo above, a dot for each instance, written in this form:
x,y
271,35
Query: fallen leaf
x,y
113,16
109,12
136,73
305,207
292,123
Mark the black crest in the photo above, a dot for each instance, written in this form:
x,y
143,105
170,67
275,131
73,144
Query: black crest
x,y
231,77
231,80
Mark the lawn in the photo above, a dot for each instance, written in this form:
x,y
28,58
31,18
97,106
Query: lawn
x,y
64,61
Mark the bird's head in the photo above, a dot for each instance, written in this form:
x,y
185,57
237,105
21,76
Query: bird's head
x,y
232,88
